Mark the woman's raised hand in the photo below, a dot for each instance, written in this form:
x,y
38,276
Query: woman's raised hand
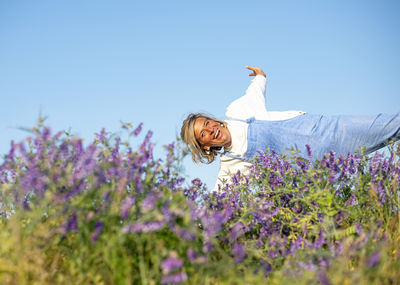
x,y
256,71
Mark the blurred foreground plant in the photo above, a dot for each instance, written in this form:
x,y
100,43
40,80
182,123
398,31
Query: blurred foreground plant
x,y
108,213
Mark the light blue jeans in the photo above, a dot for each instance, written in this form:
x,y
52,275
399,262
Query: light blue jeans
x,y
342,134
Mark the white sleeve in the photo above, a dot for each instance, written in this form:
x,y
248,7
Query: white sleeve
x,y
252,104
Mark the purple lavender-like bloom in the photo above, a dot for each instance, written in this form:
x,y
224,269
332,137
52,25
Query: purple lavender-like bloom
x,y
320,241
127,204
351,200
359,228
213,221
307,266
272,253
98,227
72,223
146,227
323,278
381,193
267,268
375,165
170,155
146,141
194,257
332,156
207,246
149,202
237,231
340,217
298,243
309,153
138,129
115,151
374,259
302,164
175,278
197,182
236,178
184,233
170,264
191,254
138,184
34,180
102,136
86,162
238,252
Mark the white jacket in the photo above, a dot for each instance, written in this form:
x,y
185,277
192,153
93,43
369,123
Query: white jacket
x,y
252,104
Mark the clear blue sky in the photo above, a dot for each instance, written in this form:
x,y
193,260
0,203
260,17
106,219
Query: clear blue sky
x,y
89,64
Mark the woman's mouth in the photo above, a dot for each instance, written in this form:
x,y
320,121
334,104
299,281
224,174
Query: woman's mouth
x,y
217,133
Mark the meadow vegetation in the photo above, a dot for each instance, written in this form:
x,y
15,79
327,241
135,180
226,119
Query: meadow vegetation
x,y
111,213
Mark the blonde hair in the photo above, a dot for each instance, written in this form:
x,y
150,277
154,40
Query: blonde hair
x,y
187,134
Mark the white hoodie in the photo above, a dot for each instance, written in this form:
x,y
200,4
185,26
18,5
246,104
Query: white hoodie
x,y
252,104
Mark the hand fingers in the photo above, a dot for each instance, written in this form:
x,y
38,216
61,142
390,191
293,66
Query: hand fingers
x,y
251,68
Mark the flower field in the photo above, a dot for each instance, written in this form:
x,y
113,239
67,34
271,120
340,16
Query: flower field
x,y
111,213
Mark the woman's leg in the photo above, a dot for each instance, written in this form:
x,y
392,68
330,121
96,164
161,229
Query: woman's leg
x,y
371,132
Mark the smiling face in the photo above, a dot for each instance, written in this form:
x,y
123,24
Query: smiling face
x,y
210,133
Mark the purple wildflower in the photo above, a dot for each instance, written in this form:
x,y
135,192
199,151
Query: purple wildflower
x,y
213,221
267,268
375,165
302,164
146,227
184,233
236,178
98,227
191,254
138,184
115,151
149,202
175,278
272,253
34,180
351,200
237,230
239,252
320,241
359,228
102,136
72,223
194,257
86,162
323,278
207,246
170,264
381,193
374,259
138,129
308,150
197,182
307,266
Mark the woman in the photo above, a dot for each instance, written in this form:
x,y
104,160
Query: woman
x,y
250,129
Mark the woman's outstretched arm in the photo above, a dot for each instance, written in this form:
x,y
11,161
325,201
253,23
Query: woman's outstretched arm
x,y
256,71
252,103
